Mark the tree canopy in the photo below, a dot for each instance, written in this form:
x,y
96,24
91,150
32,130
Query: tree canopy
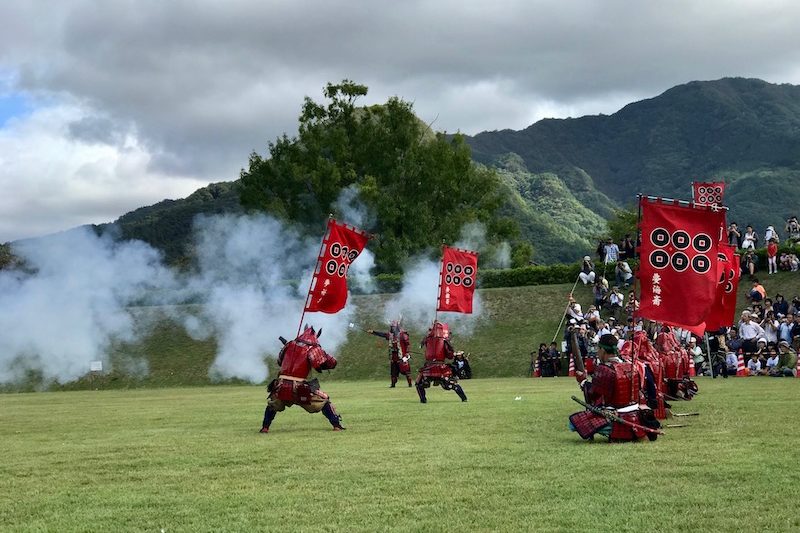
x,y
421,187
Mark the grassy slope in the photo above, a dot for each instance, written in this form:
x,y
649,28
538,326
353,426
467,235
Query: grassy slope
x,y
190,460
515,320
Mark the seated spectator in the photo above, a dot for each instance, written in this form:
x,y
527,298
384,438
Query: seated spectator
x,y
773,364
616,301
754,365
587,273
770,326
749,331
749,264
795,307
762,352
623,274
731,364
781,306
592,316
792,230
785,328
796,332
788,360
574,310
733,340
783,262
757,293
794,263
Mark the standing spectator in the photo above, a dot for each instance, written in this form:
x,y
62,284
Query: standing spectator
x,y
587,273
750,239
600,294
696,355
601,250
770,233
792,230
611,251
616,301
627,250
772,255
734,235
633,304
623,274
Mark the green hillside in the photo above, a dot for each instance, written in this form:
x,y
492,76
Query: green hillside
x,y
514,321
746,131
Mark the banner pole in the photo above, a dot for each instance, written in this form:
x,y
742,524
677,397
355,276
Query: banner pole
x,y
564,314
636,247
314,274
439,289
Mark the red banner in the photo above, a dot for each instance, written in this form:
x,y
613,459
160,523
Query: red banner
x,y
678,261
340,247
457,280
723,313
708,192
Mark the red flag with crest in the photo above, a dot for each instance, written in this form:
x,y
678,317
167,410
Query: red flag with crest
x,y
678,261
708,192
457,279
340,247
723,313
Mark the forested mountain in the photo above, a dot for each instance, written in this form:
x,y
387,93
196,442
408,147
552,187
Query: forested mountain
x,y
559,179
746,131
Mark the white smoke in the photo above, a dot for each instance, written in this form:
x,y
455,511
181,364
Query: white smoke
x,y
473,237
74,303
245,264
351,210
416,301
69,309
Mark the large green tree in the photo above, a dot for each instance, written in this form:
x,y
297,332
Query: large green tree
x,y
422,187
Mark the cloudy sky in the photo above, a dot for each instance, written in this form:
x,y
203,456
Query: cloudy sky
x,y
109,106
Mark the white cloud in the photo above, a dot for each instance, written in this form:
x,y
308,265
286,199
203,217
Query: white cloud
x,y
54,181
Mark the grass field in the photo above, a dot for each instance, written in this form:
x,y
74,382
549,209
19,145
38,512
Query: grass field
x,y
190,459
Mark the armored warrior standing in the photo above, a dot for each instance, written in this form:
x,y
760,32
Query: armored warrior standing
x,y
292,387
399,355
435,370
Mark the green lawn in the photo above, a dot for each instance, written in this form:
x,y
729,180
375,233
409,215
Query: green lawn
x,y
190,459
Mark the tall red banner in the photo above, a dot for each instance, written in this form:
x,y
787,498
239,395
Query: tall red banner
x,y
457,280
708,192
340,247
678,261
723,312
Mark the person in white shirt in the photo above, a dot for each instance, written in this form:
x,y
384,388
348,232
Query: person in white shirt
x,y
750,239
754,365
616,300
749,332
